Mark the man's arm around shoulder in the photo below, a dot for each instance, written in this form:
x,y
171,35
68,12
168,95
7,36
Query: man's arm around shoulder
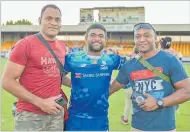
x,y
115,86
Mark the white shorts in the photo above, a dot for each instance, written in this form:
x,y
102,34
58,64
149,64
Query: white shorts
x,y
128,92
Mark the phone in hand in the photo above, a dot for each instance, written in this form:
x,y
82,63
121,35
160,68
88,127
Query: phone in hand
x,y
138,97
61,101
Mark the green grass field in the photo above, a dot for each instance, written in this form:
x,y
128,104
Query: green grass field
x,y
115,110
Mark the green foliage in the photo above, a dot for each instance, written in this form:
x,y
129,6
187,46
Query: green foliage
x,y
18,22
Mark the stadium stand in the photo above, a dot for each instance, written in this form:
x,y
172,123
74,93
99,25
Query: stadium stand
x,y
122,48
7,45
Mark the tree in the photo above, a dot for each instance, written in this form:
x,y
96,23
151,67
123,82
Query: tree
x,y
19,22
7,23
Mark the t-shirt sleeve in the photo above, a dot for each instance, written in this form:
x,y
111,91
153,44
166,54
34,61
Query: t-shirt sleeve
x,y
122,75
177,71
66,65
20,52
119,61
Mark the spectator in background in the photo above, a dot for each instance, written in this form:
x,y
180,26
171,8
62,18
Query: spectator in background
x,y
67,49
135,51
165,44
76,48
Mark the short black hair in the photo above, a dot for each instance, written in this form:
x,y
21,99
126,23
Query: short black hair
x,y
96,26
49,6
166,42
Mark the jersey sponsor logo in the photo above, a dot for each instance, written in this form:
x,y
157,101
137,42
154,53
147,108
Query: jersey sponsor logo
x,y
96,75
94,61
143,74
103,62
88,75
148,85
84,75
83,65
103,67
78,75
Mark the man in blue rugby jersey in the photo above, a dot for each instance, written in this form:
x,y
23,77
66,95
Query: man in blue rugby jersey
x,y
154,99
90,77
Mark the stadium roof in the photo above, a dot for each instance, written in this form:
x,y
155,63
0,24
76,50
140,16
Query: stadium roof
x,y
114,7
110,28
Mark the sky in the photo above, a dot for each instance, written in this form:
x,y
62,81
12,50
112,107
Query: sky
x,y
156,12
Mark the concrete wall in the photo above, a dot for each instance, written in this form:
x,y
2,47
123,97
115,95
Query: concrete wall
x,y
110,28
122,37
113,37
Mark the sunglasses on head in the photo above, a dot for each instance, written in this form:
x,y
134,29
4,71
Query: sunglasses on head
x,y
143,25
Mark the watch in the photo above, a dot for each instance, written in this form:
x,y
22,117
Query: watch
x,y
160,103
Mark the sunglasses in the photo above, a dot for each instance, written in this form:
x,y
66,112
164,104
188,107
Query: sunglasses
x,y
144,26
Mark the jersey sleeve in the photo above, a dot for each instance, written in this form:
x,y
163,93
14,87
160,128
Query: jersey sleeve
x,y
122,75
119,61
177,71
20,52
67,68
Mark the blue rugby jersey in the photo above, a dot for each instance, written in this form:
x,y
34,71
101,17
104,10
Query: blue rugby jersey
x,y
90,83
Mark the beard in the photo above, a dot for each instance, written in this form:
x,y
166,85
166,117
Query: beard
x,y
94,49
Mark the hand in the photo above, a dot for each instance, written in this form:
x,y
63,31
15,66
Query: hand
x,y
50,106
149,104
